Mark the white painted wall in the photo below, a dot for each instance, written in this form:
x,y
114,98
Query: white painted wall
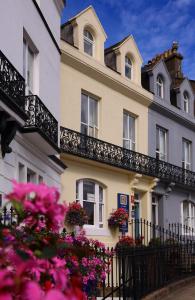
x,y
16,15
30,156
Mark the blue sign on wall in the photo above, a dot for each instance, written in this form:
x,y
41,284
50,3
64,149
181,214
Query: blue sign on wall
x,y
123,202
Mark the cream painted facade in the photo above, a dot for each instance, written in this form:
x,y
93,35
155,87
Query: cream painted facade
x,y
115,94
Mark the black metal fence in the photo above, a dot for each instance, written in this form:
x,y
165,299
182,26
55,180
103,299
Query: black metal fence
x,y
79,144
160,256
40,118
11,82
145,232
138,271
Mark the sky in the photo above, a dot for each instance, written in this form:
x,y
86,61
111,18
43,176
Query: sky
x,y
155,24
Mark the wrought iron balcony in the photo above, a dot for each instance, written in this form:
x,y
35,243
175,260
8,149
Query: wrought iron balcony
x,y
40,119
12,84
76,143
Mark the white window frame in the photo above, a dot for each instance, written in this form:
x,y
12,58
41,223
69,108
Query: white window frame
x,y
187,165
97,224
155,203
190,222
162,156
160,86
26,49
131,142
186,102
24,166
89,41
95,127
137,199
129,65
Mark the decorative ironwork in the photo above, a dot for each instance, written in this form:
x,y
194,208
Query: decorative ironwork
x,y
40,118
88,147
11,82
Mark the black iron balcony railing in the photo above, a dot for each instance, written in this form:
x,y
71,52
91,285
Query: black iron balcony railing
x,y
11,82
40,119
76,143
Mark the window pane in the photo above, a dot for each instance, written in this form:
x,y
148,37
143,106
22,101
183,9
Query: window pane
x,y
30,69
88,47
40,179
132,146
92,112
88,35
126,144
88,191
89,208
100,194
125,126
84,129
24,59
84,108
128,71
31,176
77,190
101,213
132,128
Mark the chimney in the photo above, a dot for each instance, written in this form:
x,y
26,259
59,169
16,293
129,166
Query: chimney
x,y
174,62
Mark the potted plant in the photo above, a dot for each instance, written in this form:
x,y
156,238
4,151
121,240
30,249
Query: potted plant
x,y
118,218
76,215
126,242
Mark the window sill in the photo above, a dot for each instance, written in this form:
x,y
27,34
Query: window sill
x,y
95,231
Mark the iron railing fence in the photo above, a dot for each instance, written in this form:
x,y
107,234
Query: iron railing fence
x,y
11,82
76,143
138,271
145,233
40,118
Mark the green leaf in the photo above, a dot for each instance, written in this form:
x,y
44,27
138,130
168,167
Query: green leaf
x,y
49,252
23,254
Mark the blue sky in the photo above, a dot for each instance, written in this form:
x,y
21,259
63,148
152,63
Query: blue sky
x,y
155,24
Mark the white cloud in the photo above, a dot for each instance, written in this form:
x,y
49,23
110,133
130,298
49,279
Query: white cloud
x,y
156,26
182,3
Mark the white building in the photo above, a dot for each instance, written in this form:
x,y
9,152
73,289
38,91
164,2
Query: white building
x,y
30,102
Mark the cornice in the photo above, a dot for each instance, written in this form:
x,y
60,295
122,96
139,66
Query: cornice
x,y
94,69
172,115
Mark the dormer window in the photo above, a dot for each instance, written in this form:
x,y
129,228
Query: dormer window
x,y
160,86
186,102
88,43
128,67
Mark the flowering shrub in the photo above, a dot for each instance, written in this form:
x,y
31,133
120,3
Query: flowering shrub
x,y
117,218
39,263
90,256
126,241
76,215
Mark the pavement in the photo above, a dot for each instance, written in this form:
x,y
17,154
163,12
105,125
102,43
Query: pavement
x,y
185,293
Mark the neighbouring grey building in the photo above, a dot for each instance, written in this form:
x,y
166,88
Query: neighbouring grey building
x,y
171,135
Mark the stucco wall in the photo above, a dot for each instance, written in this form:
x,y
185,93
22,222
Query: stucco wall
x,y
176,132
170,204
30,156
114,180
112,101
